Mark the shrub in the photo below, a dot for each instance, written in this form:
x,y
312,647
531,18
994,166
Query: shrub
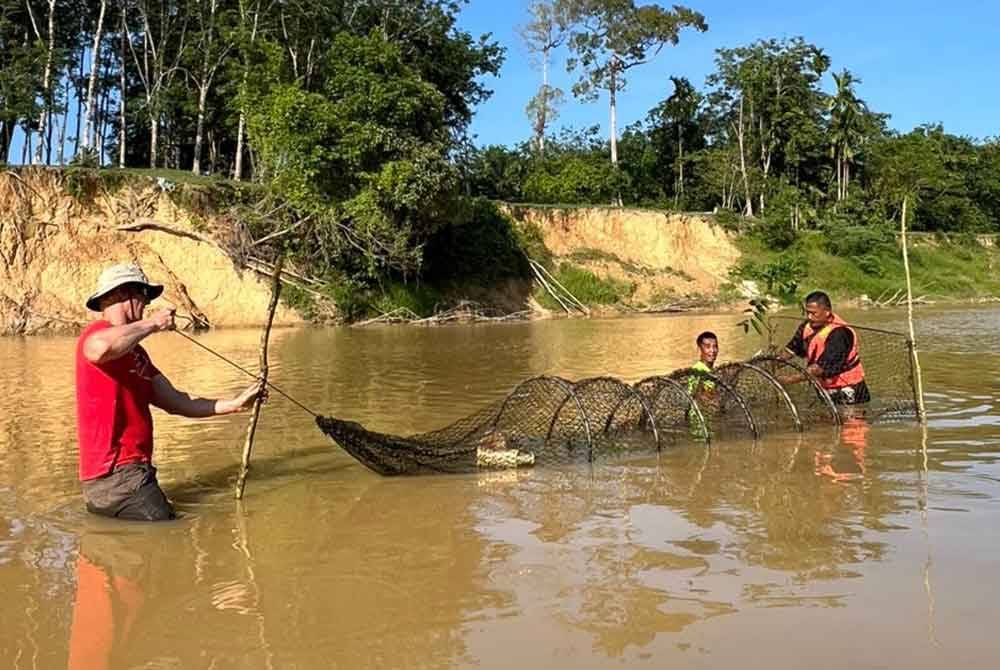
x,y
575,180
781,276
587,287
482,245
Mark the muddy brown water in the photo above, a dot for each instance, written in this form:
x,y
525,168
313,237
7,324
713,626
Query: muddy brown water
x,y
701,557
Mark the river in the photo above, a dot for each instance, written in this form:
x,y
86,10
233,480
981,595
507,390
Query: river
x,y
699,556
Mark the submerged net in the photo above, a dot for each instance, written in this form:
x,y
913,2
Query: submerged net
x,y
725,411
764,396
888,362
552,421
812,403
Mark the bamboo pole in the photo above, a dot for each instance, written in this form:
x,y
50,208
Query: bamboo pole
x,y
921,411
241,481
551,291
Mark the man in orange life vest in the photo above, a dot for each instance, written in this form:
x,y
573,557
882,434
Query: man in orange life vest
x,y
830,348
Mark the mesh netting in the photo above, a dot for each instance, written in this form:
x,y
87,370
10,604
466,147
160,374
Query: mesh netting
x,y
549,420
765,398
887,358
677,416
812,403
726,413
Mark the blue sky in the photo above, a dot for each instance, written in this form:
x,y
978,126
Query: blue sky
x,y
919,61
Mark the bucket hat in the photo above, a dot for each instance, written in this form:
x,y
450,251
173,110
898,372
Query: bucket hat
x,y
117,275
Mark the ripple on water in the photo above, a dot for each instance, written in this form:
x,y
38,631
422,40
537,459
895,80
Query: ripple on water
x,y
713,551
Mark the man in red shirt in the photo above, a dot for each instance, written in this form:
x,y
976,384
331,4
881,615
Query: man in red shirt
x,y
116,382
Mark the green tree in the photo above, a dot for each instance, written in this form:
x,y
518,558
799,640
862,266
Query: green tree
x,y
546,31
366,154
846,129
908,167
21,60
611,37
766,98
677,129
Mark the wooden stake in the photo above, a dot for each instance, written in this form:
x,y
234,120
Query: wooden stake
x,y
921,412
241,481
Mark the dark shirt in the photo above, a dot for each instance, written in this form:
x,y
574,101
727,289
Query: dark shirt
x,y
834,359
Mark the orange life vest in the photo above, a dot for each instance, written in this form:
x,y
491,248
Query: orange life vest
x,y
853,373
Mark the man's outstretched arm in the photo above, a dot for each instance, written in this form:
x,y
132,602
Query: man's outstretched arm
x,y
172,401
112,343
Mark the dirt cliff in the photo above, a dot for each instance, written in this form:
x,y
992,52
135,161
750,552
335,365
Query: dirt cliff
x,y
56,236
53,245
660,252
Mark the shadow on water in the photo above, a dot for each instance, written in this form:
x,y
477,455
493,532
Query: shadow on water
x,y
267,474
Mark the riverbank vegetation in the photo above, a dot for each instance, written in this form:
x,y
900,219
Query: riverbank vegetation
x,y
338,133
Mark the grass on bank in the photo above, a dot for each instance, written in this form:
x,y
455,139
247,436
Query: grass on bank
x,y
587,287
956,268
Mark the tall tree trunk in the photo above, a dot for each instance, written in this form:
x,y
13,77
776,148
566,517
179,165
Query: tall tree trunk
x,y
840,190
241,126
4,142
65,121
79,98
200,128
122,93
613,104
103,112
240,129
679,169
95,61
213,151
847,178
748,203
204,83
48,138
154,136
545,102
43,117
765,159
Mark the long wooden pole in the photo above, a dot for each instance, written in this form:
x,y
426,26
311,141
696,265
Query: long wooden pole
x,y
241,481
921,412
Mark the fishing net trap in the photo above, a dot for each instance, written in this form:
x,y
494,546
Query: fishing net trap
x,y
551,421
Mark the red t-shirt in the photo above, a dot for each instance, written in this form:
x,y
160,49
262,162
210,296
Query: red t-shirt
x,y
114,425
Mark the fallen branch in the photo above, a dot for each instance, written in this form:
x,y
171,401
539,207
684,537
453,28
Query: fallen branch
x,y
149,224
398,315
467,311
313,292
539,268
269,267
548,289
667,308
279,233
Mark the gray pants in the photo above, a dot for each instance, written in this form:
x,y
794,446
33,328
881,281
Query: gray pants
x,y
129,492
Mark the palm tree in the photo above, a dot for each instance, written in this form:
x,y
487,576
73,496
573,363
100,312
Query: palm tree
x,y
847,113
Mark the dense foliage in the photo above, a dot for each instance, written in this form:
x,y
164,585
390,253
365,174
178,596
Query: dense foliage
x,y
353,116
764,140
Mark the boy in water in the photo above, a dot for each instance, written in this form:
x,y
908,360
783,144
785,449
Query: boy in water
x,y
700,387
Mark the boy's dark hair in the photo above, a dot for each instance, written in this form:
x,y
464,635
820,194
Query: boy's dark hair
x,y
819,298
707,335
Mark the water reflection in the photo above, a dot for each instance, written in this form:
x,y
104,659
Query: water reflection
x,y
109,598
650,548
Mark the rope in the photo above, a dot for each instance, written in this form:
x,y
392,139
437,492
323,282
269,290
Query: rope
x,y
244,370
